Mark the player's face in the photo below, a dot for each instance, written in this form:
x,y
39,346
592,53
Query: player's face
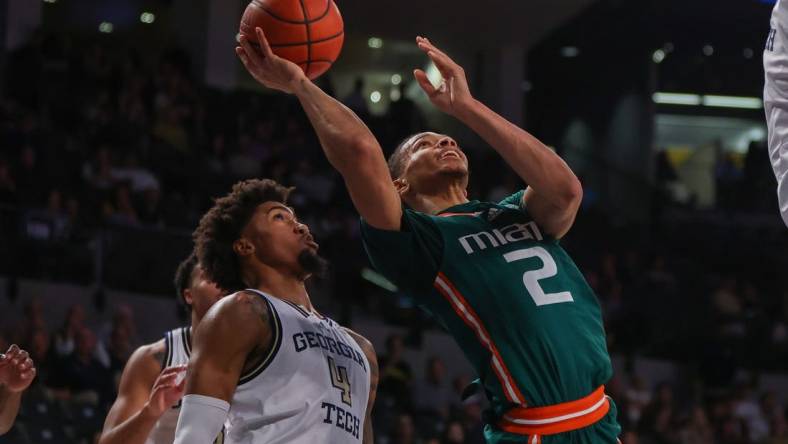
x,y
279,239
432,156
202,293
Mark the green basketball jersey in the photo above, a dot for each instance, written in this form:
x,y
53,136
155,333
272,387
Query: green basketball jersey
x,y
508,293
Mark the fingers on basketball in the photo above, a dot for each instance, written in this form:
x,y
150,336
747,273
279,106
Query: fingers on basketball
x,y
253,57
265,48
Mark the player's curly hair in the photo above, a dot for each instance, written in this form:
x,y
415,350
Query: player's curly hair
x,y
221,226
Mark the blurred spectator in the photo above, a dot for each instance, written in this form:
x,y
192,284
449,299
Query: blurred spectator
x,y
454,434
42,355
356,100
121,211
395,373
658,422
748,411
242,164
405,431
66,336
84,376
432,394
32,321
636,398
697,430
471,418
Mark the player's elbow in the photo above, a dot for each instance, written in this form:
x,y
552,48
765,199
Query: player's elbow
x,y
570,194
365,147
359,155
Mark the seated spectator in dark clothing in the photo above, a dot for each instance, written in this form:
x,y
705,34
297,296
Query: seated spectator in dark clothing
x,y
432,395
85,378
395,373
405,431
657,422
41,354
454,433
65,337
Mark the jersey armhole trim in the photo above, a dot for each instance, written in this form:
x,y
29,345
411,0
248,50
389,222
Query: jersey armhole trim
x,y
186,339
276,328
167,350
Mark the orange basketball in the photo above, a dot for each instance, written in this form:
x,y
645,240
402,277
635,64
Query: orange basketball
x,y
307,32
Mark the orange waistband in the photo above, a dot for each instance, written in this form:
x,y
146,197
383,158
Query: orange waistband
x,y
558,418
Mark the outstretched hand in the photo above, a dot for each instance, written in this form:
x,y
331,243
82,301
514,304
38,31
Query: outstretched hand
x,y
453,93
16,369
167,391
266,67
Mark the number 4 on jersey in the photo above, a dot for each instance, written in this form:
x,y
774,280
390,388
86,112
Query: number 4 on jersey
x,y
340,380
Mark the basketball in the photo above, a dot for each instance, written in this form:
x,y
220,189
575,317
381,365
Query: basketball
x,y
309,33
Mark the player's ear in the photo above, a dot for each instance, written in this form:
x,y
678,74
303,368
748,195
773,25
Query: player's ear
x,y
401,185
187,297
242,247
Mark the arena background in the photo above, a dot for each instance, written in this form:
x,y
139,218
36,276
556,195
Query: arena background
x,y
121,119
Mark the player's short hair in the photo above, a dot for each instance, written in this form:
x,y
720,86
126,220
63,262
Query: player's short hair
x,y
183,277
399,157
222,225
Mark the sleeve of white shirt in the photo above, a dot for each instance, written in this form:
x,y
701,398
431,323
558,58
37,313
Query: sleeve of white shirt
x,y
775,64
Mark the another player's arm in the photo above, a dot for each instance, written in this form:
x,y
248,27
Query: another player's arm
x,y
9,407
145,393
775,94
349,145
219,351
374,375
16,374
554,192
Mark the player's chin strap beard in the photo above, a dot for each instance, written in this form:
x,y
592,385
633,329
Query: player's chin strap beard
x,y
312,263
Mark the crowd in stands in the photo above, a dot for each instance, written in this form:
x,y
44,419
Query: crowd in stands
x,y
99,144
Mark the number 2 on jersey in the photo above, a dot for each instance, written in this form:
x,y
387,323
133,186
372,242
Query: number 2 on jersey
x,y
340,380
531,277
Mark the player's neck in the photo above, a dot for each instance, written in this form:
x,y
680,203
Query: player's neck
x,y
434,202
285,287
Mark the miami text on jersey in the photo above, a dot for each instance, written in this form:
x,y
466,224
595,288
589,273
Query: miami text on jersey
x,y
500,236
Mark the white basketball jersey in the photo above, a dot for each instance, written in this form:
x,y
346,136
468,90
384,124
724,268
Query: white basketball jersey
x,y
178,349
311,388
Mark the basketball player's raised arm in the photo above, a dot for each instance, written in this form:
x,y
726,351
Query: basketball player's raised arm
x,y
374,376
349,145
145,393
775,65
232,330
554,192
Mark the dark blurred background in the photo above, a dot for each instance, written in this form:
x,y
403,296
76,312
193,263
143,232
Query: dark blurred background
x,y
120,120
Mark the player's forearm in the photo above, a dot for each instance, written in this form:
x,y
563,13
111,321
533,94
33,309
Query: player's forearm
x,y
134,430
342,134
535,163
9,407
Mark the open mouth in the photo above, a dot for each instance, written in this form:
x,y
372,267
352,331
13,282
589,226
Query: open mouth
x,y
311,243
449,154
